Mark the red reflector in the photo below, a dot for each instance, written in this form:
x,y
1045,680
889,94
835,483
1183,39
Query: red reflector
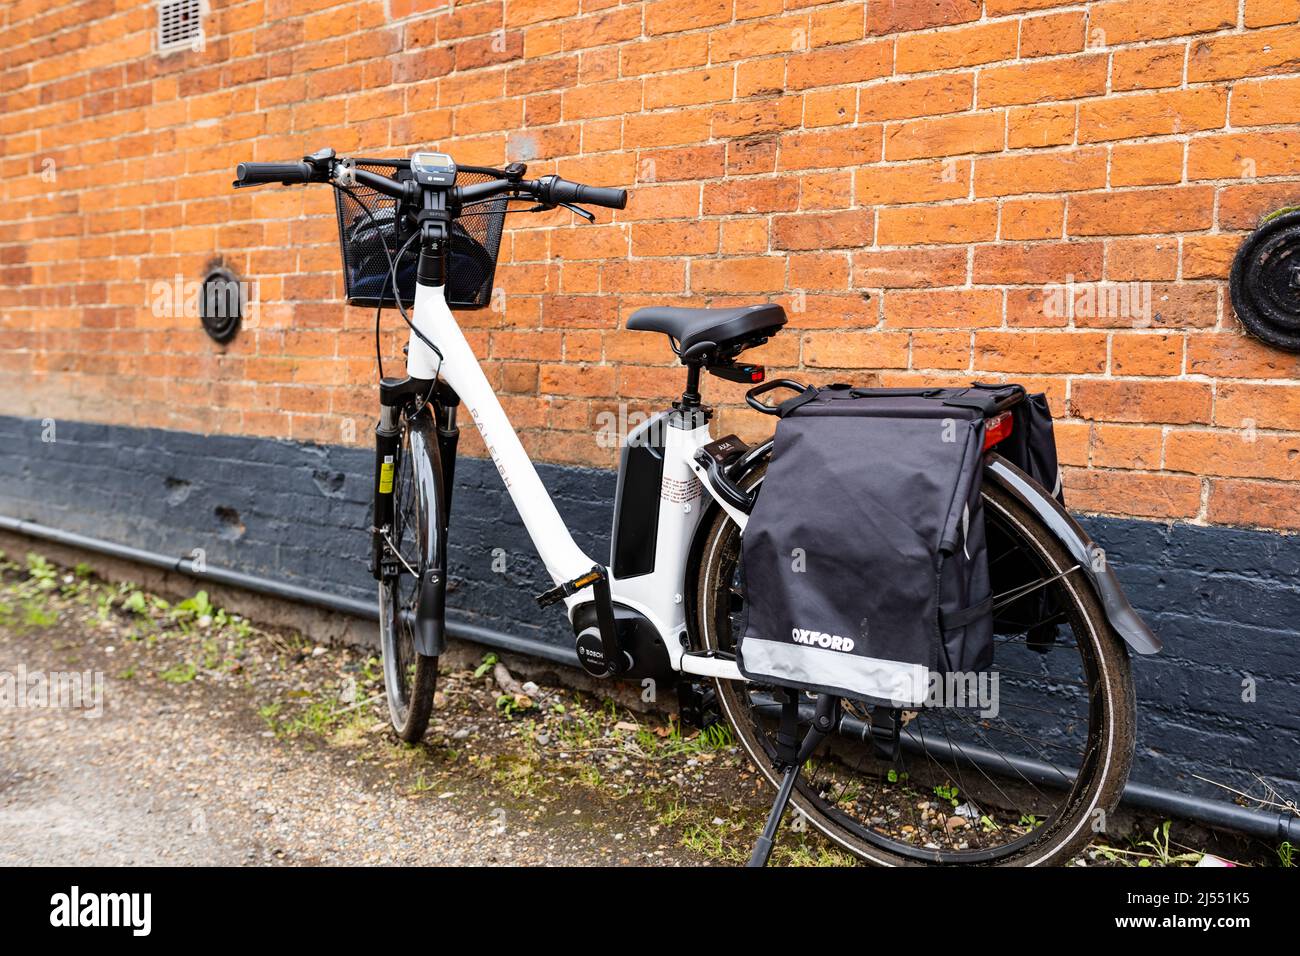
x,y
996,429
757,374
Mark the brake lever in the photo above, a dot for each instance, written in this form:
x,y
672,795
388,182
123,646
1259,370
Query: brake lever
x,y
579,210
545,207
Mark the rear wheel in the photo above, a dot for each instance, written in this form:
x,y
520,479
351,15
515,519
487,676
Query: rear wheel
x,y
409,676
1027,785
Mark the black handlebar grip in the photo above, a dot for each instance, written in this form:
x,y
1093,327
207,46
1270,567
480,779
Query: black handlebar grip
x,y
603,196
561,190
251,174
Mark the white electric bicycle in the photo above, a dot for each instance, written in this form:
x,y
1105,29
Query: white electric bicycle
x,y
945,785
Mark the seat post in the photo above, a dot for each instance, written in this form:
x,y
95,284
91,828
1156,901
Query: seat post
x,y
691,397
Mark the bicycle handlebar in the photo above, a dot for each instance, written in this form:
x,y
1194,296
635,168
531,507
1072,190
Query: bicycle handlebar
x,y
548,190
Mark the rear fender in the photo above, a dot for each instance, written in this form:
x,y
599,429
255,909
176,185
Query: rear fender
x,y
715,501
1075,540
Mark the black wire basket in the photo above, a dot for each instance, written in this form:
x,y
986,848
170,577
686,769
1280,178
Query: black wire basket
x,y
369,223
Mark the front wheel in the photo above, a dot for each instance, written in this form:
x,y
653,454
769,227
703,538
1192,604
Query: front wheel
x,y
411,540
1025,783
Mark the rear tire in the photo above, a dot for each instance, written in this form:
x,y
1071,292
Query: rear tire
x,y
410,678
1110,731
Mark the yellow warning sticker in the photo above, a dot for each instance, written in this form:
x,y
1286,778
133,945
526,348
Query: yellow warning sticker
x,y
386,476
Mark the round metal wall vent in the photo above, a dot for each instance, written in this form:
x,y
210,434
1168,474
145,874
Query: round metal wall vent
x,y
1265,281
221,304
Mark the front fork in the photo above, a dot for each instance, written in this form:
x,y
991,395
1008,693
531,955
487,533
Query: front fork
x,y
436,399
388,434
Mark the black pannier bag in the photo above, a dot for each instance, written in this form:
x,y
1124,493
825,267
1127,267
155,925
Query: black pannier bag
x,y
864,560
1031,447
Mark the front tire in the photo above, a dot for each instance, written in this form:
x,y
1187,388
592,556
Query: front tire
x,y
413,538
860,823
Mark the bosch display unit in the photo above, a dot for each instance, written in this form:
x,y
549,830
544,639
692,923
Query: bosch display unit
x,y
433,169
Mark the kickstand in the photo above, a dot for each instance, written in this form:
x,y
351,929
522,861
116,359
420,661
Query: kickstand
x,y
824,722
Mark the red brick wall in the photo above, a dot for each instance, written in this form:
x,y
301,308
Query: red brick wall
x,y
908,177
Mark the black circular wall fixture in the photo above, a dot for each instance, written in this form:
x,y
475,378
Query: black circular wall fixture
x,y
221,304
1265,281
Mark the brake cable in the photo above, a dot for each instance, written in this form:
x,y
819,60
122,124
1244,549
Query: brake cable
x,y
392,272
540,207
393,547
397,298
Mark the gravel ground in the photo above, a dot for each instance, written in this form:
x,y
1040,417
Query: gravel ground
x,y
186,778
223,743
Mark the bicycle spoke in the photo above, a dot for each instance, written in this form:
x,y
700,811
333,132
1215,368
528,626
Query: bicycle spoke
x,y
1002,793
942,773
1015,594
1016,771
1046,677
1066,778
1054,646
961,781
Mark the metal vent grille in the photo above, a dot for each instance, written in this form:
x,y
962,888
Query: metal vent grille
x,y
180,25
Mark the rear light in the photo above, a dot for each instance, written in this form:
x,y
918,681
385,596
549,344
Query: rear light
x,y
745,374
996,429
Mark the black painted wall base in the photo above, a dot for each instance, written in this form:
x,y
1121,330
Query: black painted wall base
x,y
1222,701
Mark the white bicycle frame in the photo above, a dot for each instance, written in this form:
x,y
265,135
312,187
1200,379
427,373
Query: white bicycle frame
x,y
658,595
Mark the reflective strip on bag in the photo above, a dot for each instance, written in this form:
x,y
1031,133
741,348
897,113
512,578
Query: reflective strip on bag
x,y
900,683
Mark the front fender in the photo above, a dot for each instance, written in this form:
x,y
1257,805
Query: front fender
x,y
430,617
